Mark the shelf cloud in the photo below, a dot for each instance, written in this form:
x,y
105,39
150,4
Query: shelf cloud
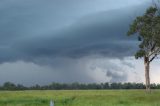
x,y
57,36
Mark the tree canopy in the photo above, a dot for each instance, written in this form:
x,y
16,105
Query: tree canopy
x,y
148,29
76,86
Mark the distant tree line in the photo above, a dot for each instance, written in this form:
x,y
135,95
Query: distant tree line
x,y
77,86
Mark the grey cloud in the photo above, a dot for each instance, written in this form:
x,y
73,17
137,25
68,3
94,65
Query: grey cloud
x,y
63,35
34,17
115,70
26,30
128,64
85,70
119,76
104,34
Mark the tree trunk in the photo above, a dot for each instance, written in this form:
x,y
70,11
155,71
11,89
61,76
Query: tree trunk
x,y
147,63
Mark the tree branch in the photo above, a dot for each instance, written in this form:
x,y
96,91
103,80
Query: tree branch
x,y
153,58
156,50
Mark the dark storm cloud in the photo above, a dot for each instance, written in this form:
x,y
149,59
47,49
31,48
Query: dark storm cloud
x,y
67,37
99,33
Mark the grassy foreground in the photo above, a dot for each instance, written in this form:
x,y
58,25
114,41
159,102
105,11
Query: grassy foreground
x,y
80,98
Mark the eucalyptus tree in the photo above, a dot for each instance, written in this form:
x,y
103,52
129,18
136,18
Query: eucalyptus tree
x,y
147,28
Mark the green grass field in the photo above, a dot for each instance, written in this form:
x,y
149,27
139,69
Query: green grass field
x,y
80,98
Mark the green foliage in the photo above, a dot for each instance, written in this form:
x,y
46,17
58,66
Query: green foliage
x,y
140,54
9,86
148,29
76,86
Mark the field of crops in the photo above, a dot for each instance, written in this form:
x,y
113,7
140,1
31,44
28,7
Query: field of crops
x,y
80,98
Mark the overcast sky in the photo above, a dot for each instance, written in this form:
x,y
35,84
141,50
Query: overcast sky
x,y
44,41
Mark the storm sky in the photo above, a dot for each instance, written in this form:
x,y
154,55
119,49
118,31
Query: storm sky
x,y
44,41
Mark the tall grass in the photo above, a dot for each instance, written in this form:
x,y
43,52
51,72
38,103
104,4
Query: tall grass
x,y
80,98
